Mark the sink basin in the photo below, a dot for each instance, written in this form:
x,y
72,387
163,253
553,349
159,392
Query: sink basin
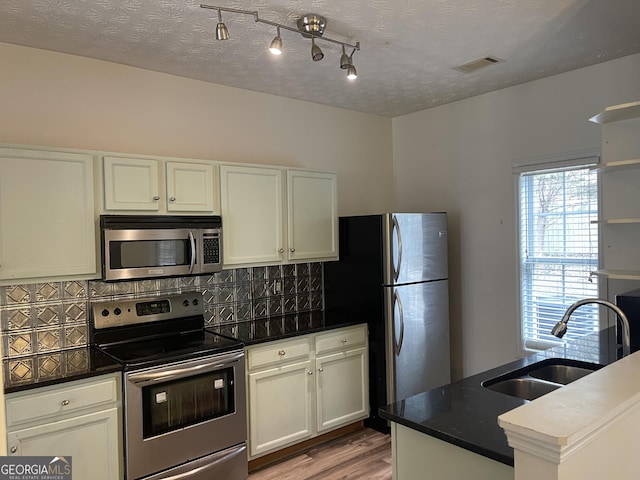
x,y
524,388
562,374
540,378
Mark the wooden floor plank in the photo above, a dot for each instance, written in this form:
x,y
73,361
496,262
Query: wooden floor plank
x,y
365,454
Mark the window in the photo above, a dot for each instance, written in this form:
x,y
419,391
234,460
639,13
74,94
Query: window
x,y
558,251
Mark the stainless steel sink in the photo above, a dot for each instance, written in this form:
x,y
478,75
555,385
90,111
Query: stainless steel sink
x,y
540,378
522,387
562,374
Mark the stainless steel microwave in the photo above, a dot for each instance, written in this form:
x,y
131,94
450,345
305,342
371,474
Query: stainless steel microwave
x,y
150,246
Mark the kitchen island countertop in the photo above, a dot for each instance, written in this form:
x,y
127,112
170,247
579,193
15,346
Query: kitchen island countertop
x,y
464,413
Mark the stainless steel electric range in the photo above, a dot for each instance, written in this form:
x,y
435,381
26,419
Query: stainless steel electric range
x,y
184,388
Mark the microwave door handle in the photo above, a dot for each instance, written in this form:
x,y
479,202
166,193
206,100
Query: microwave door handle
x,y
192,240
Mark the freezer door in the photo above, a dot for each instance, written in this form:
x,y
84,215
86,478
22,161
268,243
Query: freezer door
x,y
417,338
415,247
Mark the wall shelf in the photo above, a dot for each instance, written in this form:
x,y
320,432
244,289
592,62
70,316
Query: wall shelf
x,y
615,113
618,274
614,221
619,165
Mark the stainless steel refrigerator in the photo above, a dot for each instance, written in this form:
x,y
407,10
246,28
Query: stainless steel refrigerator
x,y
393,275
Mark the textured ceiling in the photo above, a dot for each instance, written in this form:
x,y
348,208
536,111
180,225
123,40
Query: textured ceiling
x,y
409,48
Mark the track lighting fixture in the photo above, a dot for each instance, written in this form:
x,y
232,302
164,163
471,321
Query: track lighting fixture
x,y
345,61
316,53
352,74
221,29
276,44
309,26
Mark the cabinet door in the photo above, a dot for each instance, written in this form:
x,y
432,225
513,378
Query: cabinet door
x,y
280,407
342,388
190,187
312,207
251,206
92,442
46,214
131,184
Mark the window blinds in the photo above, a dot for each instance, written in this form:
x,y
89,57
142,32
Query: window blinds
x,y
558,250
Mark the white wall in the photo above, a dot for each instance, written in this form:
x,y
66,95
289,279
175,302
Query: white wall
x,y
53,99
457,158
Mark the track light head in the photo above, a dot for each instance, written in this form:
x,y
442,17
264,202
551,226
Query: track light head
x,y
222,33
316,52
352,74
345,61
276,44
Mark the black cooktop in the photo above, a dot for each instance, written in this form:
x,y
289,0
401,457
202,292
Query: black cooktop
x,y
141,333
169,349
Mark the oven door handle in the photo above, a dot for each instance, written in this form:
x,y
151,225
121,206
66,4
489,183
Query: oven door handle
x,y
224,457
181,372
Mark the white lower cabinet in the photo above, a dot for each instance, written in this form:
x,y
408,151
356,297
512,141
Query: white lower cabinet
x,y
79,419
306,386
341,388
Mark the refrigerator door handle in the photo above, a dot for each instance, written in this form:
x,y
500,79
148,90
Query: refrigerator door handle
x,y
396,268
398,302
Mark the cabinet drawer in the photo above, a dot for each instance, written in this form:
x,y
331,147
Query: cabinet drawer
x,y
45,402
344,338
278,352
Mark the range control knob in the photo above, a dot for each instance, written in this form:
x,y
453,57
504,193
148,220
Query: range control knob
x,y
185,303
105,313
117,311
195,301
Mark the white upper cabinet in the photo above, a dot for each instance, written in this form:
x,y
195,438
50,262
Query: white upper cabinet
x,y
154,185
312,209
252,214
131,184
265,223
47,224
190,187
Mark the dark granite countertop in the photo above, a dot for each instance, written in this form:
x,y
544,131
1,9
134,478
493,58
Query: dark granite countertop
x,y
465,413
277,328
56,367
68,365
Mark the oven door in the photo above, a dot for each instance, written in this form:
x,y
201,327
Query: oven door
x,y
146,253
183,411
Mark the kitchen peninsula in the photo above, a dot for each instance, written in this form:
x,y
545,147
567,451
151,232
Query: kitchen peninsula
x,y
454,431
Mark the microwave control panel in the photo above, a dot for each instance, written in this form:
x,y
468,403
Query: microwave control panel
x,y
211,247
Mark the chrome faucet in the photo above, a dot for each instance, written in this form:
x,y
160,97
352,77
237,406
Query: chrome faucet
x,y
560,328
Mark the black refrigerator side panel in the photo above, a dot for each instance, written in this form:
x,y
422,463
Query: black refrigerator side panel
x,y
353,292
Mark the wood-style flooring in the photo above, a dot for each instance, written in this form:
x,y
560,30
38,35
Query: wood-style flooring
x,y
365,454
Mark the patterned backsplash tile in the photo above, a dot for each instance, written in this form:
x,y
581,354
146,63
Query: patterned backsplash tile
x,y
48,318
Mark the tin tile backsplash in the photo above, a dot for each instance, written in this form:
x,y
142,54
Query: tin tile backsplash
x,y
49,318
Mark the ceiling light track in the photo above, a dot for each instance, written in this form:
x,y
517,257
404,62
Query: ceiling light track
x,y
309,26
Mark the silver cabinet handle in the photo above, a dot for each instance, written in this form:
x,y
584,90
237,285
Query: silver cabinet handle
x,y
281,250
344,340
281,353
309,372
292,250
321,369
14,449
156,197
172,199
65,403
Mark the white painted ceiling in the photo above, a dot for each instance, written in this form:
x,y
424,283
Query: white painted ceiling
x,y
409,48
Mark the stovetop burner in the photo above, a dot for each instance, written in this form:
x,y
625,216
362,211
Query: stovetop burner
x,y
145,333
